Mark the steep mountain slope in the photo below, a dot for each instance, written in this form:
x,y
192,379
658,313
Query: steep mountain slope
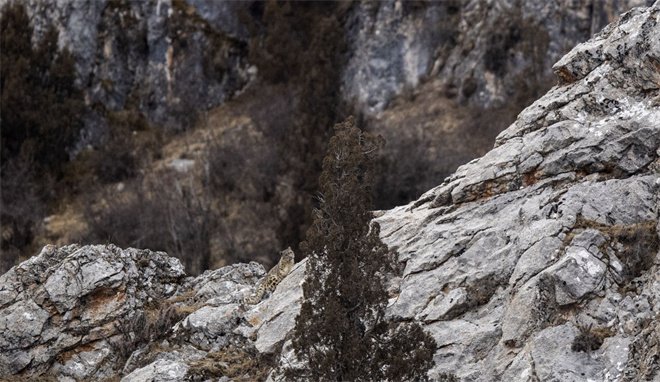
x,y
156,47
439,80
156,56
536,262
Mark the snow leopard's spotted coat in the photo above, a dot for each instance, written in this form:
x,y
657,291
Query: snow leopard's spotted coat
x,y
274,276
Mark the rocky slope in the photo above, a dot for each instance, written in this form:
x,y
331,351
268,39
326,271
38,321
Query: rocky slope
x,y
440,80
537,262
553,231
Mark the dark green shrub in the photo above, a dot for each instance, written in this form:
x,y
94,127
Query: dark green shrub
x,y
341,332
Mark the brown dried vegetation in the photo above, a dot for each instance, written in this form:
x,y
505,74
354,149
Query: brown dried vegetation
x,y
144,328
41,113
635,245
589,339
240,364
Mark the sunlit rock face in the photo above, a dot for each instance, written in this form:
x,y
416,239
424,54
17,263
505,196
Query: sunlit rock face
x,y
64,309
553,231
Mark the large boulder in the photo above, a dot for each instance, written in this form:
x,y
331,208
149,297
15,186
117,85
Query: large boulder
x,y
71,309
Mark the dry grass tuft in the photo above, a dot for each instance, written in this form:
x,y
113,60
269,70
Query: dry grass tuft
x,y
236,363
636,245
589,340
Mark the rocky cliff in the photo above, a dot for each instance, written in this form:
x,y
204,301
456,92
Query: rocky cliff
x,y
483,51
536,262
169,58
163,58
539,261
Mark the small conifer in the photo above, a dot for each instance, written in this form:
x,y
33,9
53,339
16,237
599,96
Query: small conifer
x,y
341,333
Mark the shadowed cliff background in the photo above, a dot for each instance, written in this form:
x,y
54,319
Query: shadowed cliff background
x,y
198,127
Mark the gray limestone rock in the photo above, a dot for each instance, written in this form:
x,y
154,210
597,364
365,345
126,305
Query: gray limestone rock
x,y
535,259
576,274
274,318
476,46
226,285
161,370
538,216
209,326
444,305
62,305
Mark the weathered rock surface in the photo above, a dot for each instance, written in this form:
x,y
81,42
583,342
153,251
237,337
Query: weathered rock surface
x,y
222,323
173,57
273,319
482,50
517,250
165,58
440,79
98,311
63,309
536,262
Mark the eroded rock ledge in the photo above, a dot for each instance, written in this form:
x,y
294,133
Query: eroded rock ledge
x,y
536,262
